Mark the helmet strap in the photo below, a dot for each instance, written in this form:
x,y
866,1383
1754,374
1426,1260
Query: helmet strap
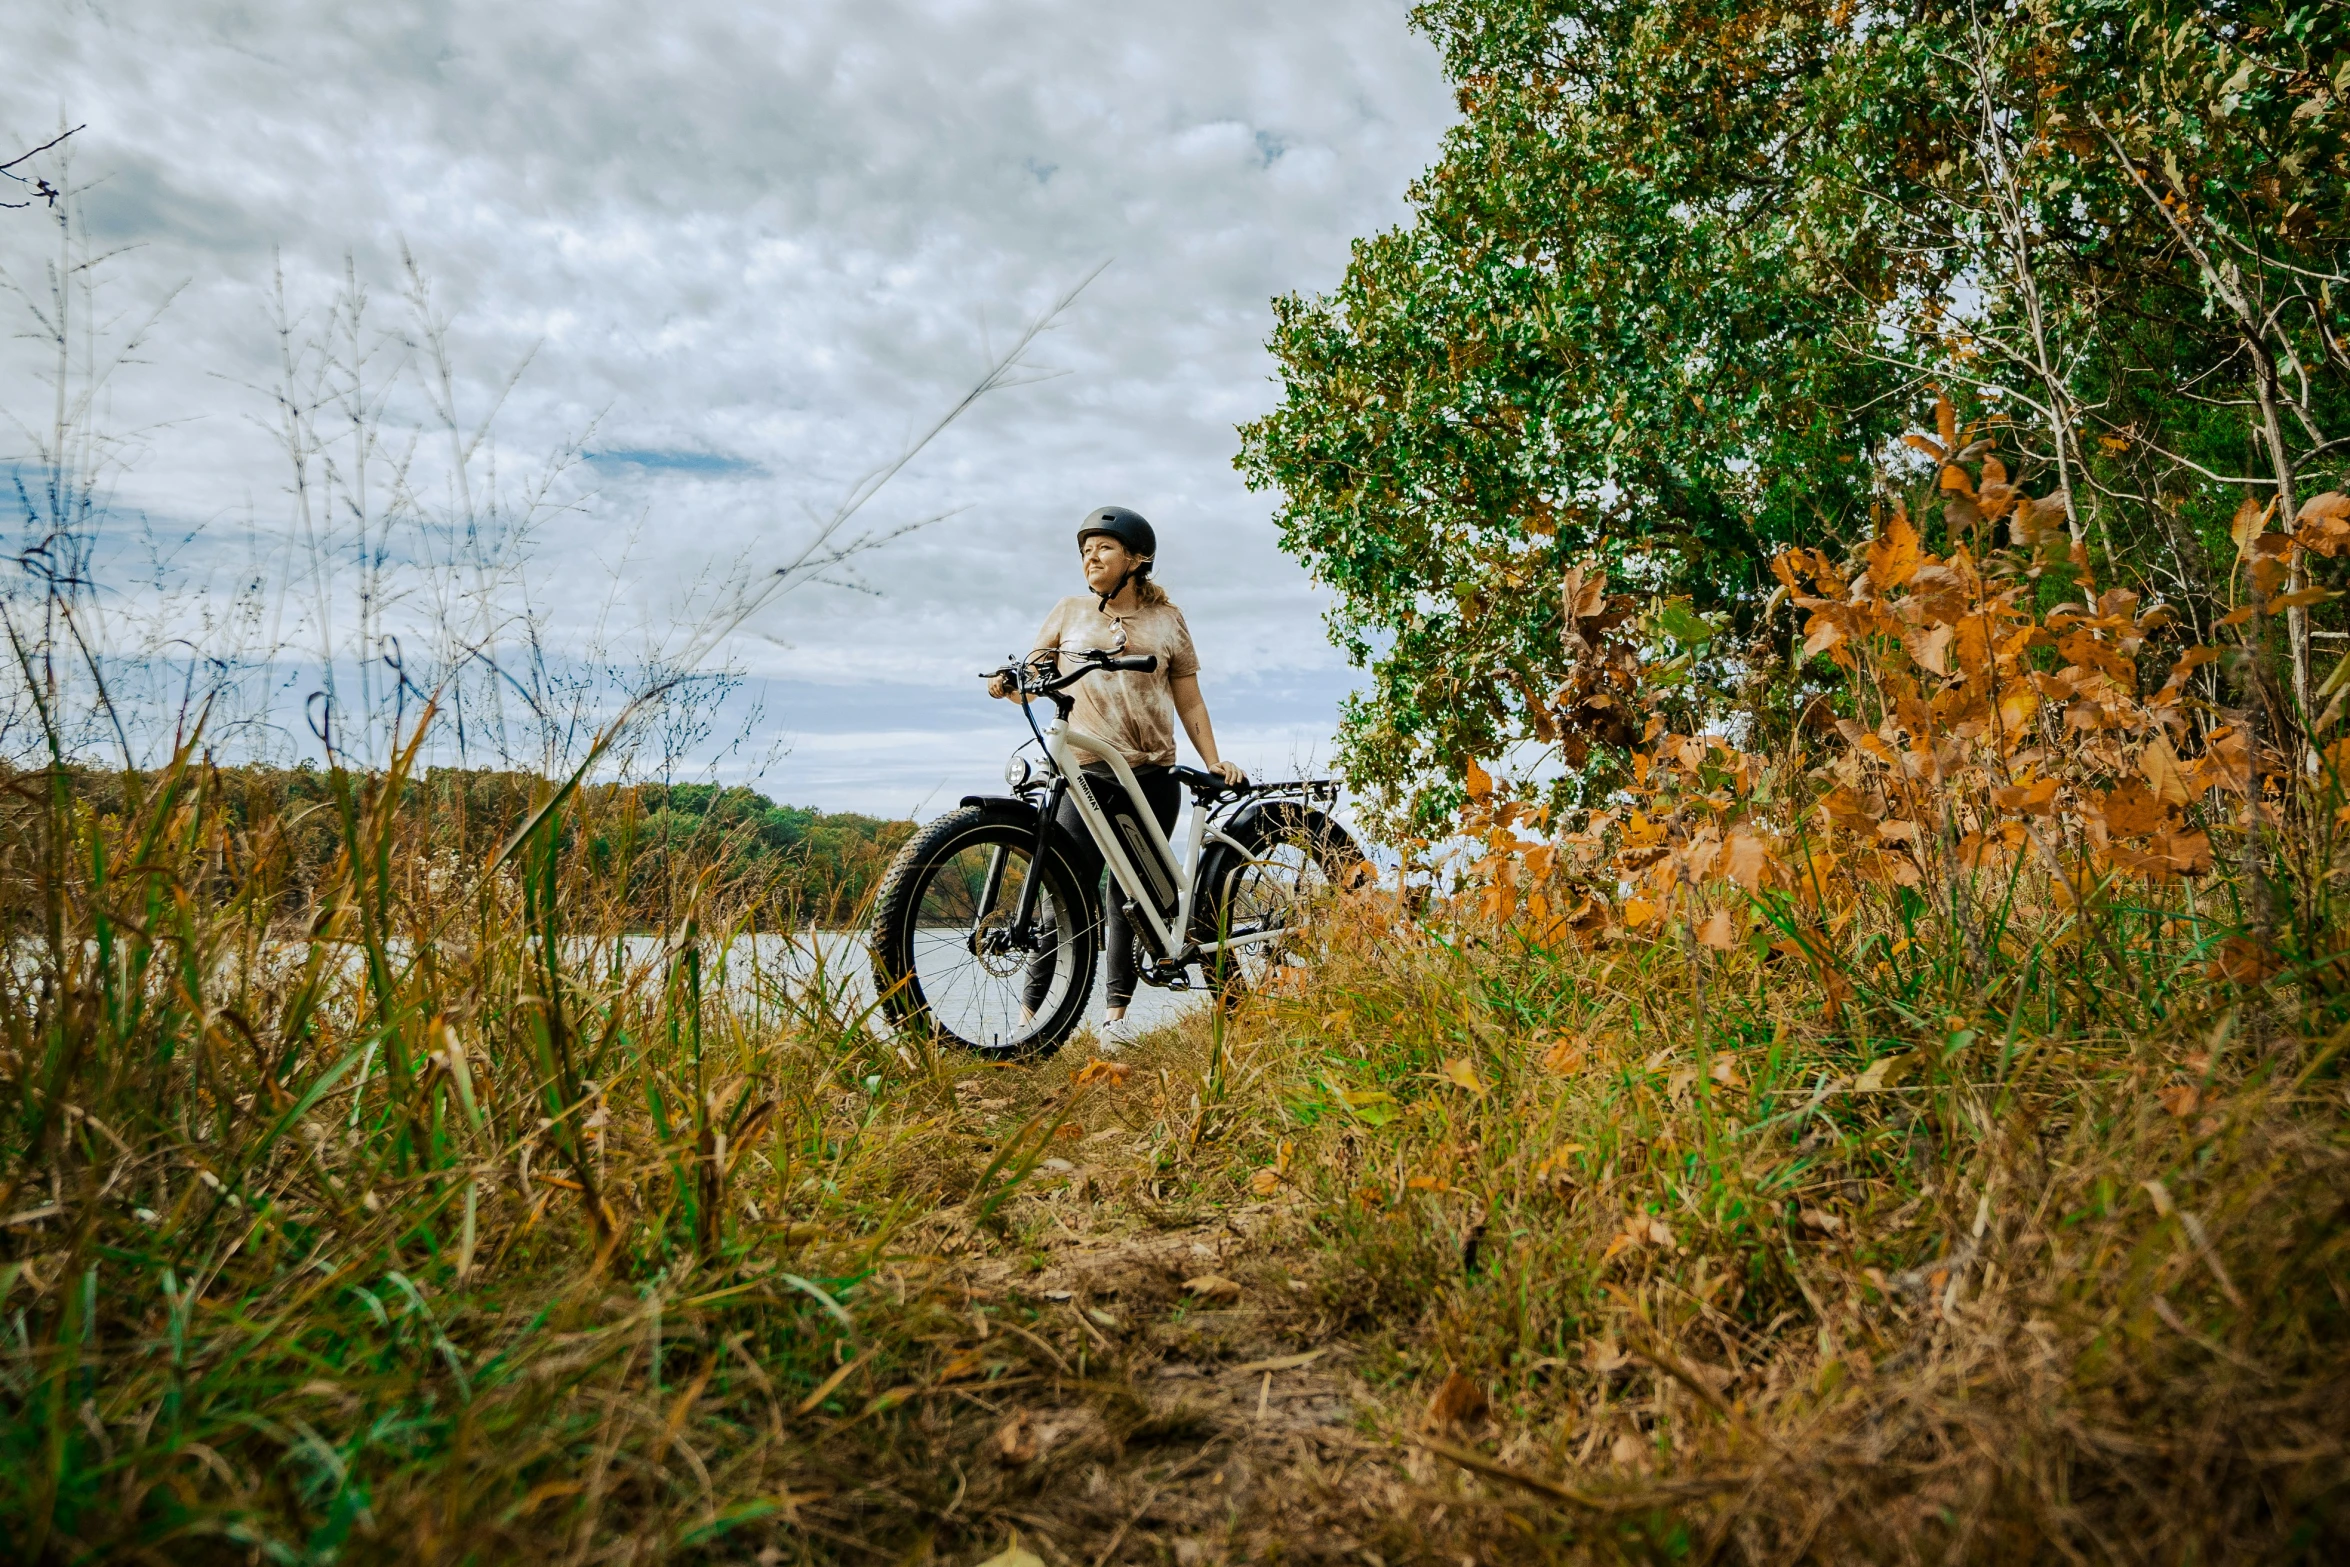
x,y
1141,568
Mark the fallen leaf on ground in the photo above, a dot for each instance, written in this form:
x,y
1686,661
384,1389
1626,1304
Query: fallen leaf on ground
x,y
1458,1402
1822,1220
1882,1073
1015,1443
1718,933
1014,1556
1110,1072
1212,1286
1458,1071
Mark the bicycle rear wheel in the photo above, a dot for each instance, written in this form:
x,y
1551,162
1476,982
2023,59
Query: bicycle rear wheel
x,y
1260,899
949,955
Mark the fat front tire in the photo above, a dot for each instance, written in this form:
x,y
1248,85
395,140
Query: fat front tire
x,y
947,958
1291,856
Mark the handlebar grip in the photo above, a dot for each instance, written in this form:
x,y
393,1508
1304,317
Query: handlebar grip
x,y
1139,663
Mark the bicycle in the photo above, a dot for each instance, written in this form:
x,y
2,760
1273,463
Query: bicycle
x,y
984,937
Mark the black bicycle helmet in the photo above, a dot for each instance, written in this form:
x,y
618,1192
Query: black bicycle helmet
x,y
1129,528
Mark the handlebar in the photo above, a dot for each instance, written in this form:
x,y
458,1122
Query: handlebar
x,y
1021,673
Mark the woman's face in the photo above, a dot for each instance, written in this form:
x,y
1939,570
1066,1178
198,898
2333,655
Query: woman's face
x,y
1106,562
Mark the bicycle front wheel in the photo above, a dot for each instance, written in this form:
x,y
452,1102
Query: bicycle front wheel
x,y
952,955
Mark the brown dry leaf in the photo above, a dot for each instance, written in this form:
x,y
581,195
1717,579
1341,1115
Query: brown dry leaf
x,y
2160,764
1460,1073
1822,1220
2332,506
1212,1286
1883,1073
1893,554
1931,648
2132,811
1459,1404
1265,1182
1015,1441
1718,933
1946,421
2244,961
2033,798
1480,783
1744,859
1562,1058
1638,912
1584,594
2251,517
2180,1099
1725,1072
2301,600
1110,1072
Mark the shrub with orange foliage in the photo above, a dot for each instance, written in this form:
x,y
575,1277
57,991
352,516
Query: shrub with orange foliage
x,y
1991,744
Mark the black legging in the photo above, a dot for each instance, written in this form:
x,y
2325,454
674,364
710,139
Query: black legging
x,y
1164,796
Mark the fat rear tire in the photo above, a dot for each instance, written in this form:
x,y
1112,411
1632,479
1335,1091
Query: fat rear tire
x,y
1289,853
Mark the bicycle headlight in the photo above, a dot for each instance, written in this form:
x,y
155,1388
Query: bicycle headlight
x,y
1017,772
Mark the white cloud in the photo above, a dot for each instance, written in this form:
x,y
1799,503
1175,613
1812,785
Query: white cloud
x,y
762,245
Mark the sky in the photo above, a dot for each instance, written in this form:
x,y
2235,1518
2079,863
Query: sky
x,y
742,255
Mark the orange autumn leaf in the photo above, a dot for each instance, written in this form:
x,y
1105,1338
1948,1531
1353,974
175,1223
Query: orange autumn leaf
x,y
1893,554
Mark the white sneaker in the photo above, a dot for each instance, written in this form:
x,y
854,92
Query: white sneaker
x,y
1116,1033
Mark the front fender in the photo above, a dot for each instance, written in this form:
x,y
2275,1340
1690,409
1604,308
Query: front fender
x,y
1022,813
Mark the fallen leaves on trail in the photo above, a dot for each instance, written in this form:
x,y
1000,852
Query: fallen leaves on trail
x,y
1459,1404
1269,1180
1883,1073
1641,1229
1212,1286
1113,1073
1015,1443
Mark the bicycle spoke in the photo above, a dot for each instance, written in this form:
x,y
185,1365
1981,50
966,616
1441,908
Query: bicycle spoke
x,y
984,980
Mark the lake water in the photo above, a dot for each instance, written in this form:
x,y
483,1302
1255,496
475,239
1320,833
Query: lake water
x,y
754,963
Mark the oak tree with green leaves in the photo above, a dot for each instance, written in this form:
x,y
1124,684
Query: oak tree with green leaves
x,y
1686,272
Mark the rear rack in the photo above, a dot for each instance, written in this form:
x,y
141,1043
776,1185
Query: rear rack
x,y
1205,785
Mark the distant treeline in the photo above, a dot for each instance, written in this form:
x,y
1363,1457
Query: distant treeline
x,y
648,844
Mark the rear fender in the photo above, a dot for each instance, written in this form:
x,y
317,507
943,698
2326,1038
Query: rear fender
x,y
1248,827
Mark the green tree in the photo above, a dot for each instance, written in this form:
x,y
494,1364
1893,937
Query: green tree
x,y
1686,271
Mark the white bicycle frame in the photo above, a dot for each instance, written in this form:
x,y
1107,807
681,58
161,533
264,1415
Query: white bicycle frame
x,y
1063,744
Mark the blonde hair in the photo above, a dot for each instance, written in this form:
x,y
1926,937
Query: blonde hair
x,y
1149,594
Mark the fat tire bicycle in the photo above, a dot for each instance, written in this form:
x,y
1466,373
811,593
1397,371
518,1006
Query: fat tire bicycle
x,y
986,937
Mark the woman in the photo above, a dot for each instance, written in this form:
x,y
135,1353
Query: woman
x,y
1125,612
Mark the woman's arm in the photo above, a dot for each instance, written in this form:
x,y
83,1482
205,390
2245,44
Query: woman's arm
x,y
1192,708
